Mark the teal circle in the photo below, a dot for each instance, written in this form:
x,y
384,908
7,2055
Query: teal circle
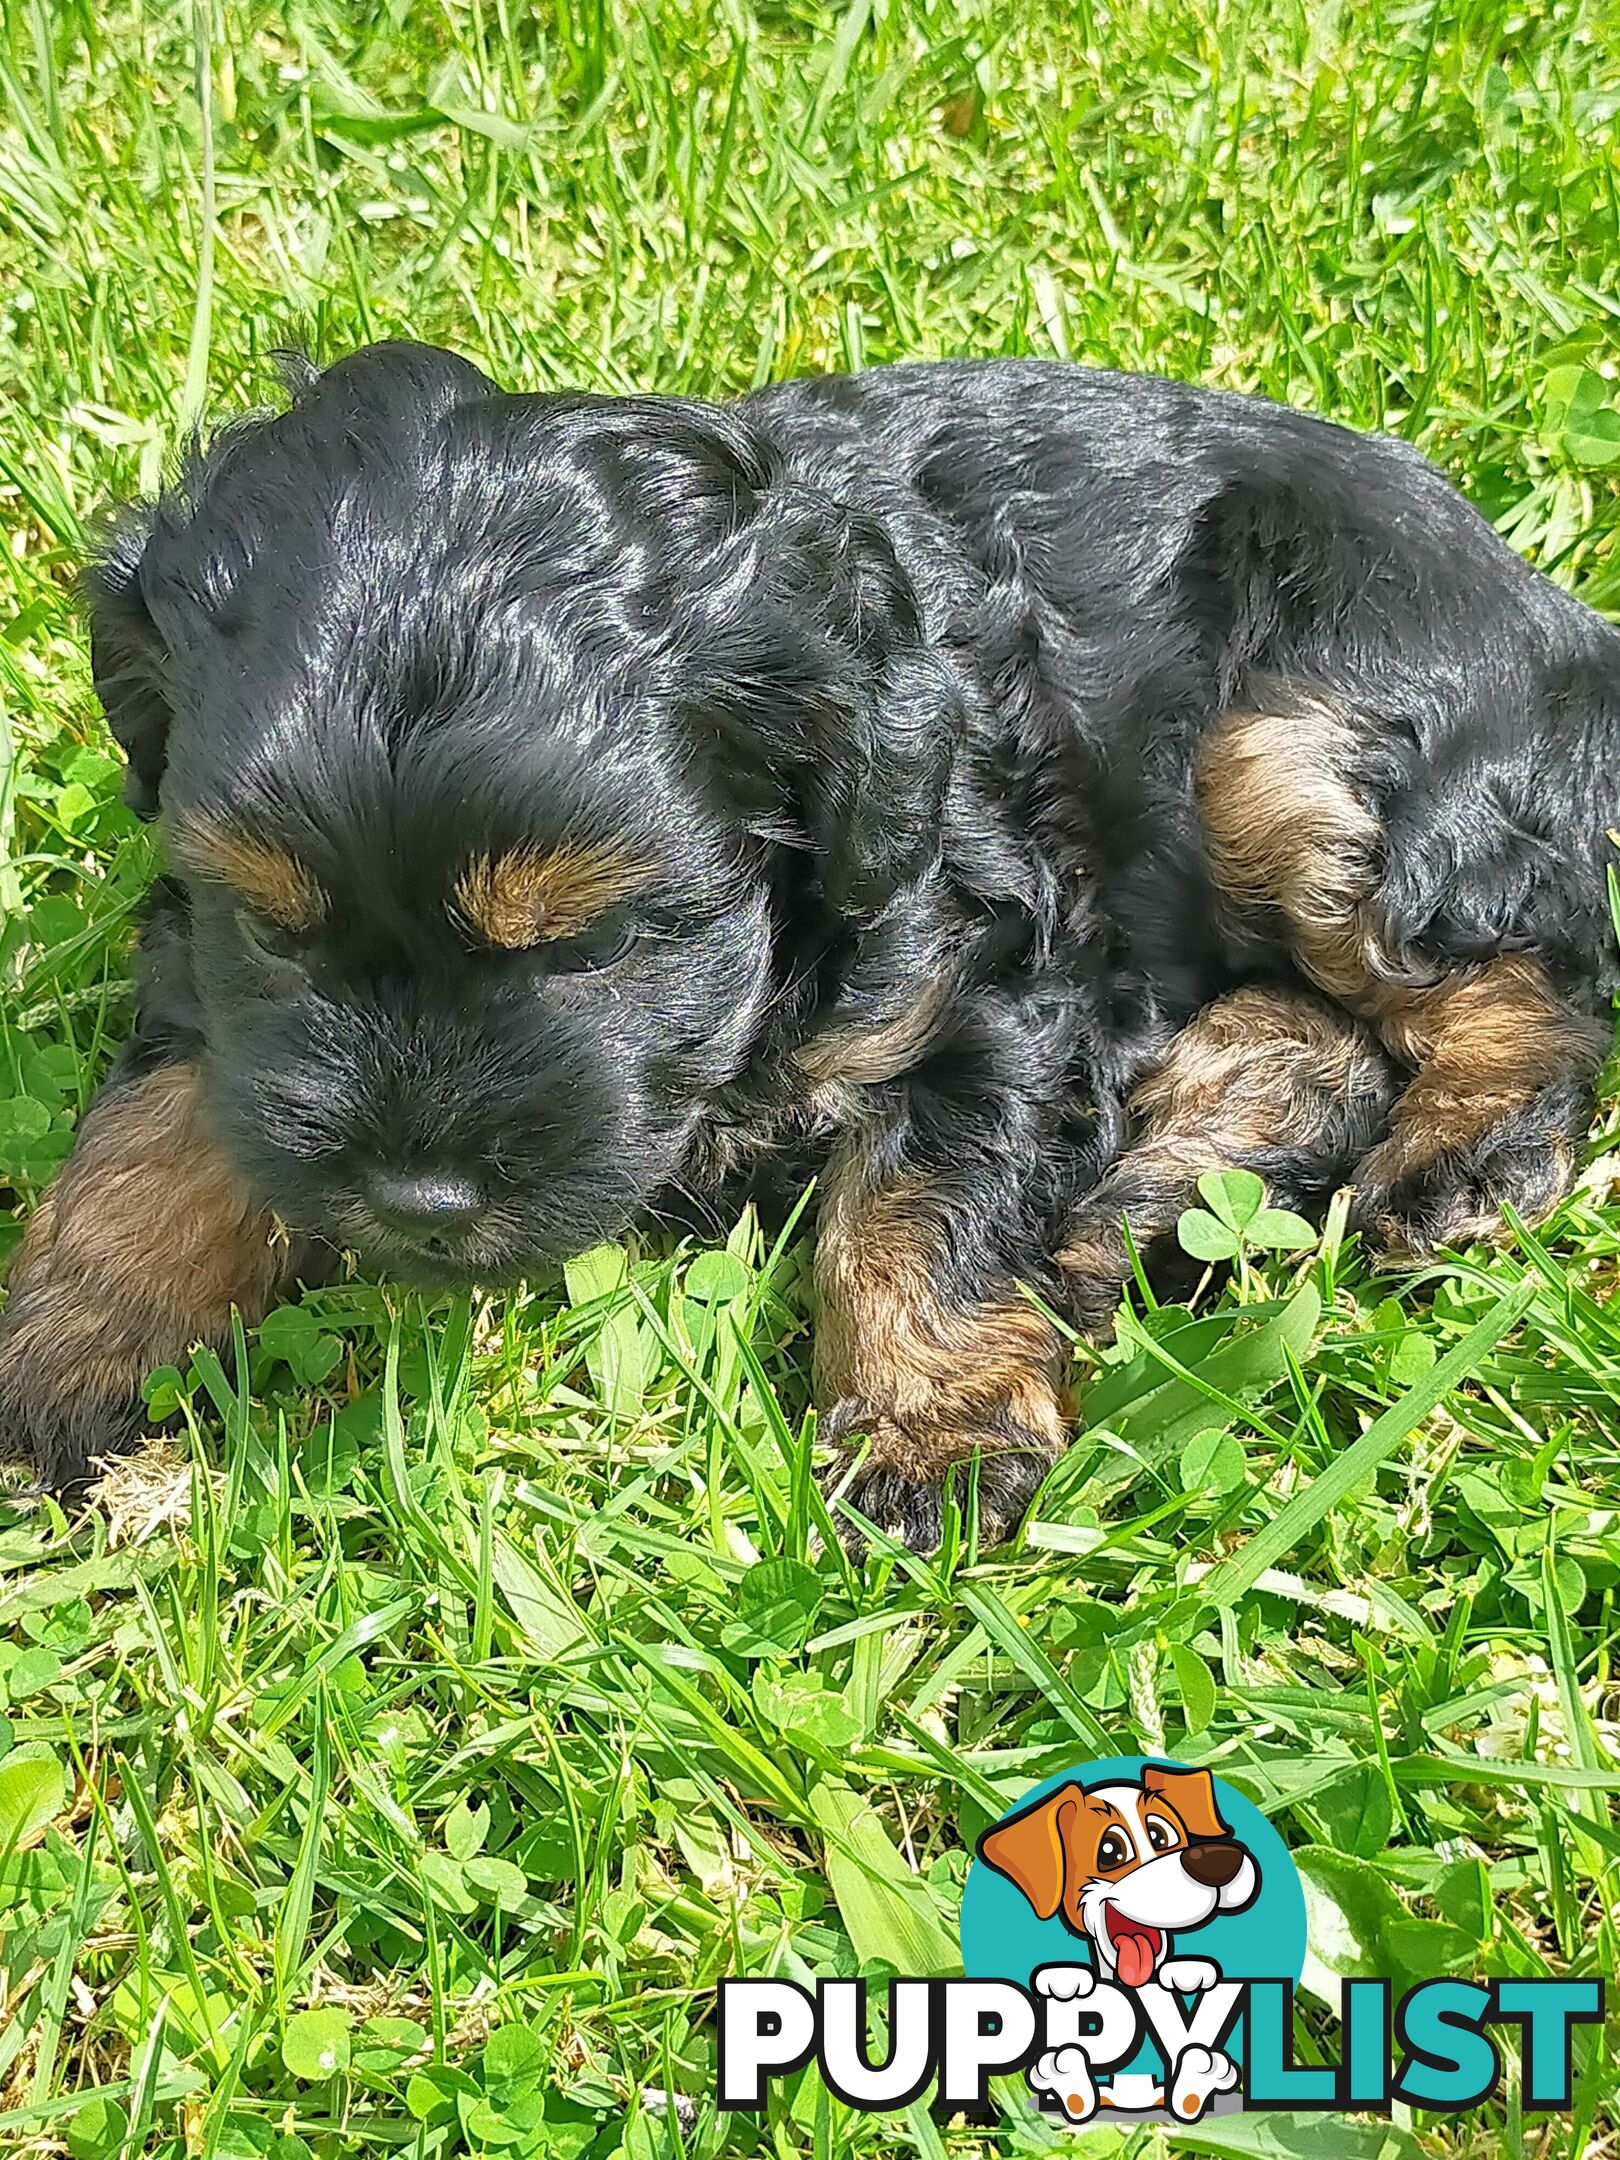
x,y
1003,1939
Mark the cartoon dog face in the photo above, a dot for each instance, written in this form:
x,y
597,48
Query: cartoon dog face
x,y
1127,1866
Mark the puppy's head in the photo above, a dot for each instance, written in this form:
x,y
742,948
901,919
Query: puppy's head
x,y
1127,1866
475,723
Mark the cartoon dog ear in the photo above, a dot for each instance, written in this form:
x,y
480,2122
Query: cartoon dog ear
x,y
1031,1849
126,657
1192,1794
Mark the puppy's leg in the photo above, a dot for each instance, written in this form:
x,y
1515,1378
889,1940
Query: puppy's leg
x,y
926,1347
1265,1080
138,1251
1504,1066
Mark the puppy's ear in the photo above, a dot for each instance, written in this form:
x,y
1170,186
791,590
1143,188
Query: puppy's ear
x,y
1031,1849
840,716
126,657
875,804
1192,1794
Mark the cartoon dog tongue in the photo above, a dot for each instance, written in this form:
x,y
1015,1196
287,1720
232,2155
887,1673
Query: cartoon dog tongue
x,y
1136,1948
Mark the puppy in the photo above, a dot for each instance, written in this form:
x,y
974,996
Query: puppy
x,y
1003,791
1126,1867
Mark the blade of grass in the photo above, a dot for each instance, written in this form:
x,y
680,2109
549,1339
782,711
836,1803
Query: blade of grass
x,y
1297,1517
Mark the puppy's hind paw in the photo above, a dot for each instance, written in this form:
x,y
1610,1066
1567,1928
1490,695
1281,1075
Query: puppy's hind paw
x,y
1065,2074
1094,1266
1413,1197
1201,2073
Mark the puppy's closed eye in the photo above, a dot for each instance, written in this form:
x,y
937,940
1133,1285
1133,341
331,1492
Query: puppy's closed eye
x,y
273,944
595,949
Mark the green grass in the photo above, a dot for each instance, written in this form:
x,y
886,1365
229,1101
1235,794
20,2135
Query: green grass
x,y
476,1671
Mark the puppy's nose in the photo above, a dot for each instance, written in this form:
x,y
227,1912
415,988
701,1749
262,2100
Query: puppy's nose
x,y
1213,1864
424,1203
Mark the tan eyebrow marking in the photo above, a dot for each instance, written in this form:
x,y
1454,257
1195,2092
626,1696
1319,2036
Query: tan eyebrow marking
x,y
530,896
269,879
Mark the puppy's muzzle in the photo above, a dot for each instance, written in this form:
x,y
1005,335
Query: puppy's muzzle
x,y
1213,1863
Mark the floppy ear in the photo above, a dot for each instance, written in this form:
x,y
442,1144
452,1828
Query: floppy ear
x,y
1030,1849
874,800
1192,1794
815,664
126,657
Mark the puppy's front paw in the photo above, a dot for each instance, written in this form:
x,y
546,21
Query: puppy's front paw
x,y
60,1418
1188,1976
911,1463
1064,1983
76,1345
1420,1189
138,1252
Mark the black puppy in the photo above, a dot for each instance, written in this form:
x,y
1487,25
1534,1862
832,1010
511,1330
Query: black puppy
x,y
1004,790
